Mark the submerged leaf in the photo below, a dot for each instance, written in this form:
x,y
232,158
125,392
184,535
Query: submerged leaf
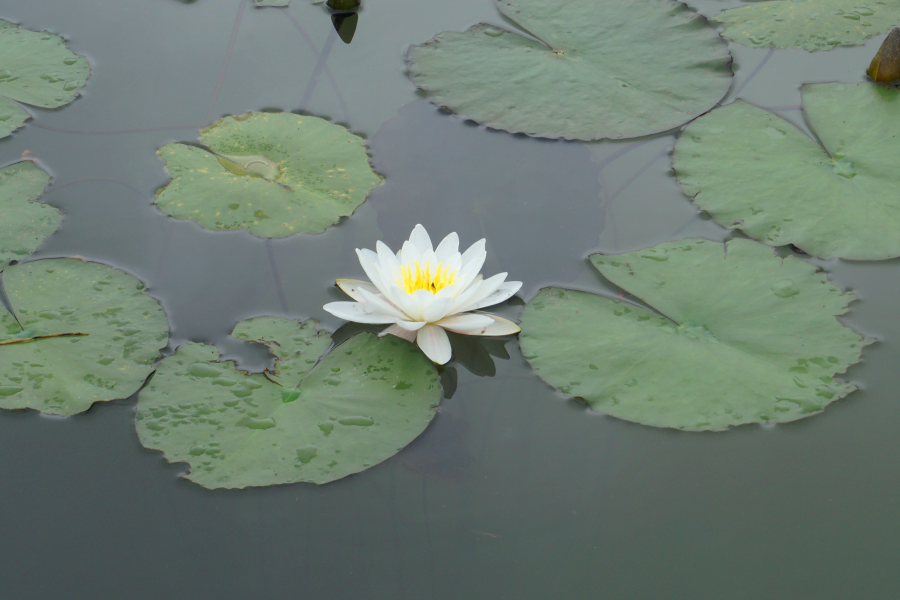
x,y
598,69
808,24
24,223
754,171
82,333
274,174
885,67
36,68
741,336
308,421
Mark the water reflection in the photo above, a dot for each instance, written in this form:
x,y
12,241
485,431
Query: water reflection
x,y
345,25
344,18
473,353
442,453
452,175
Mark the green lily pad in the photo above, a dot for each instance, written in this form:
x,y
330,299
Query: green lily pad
x,y
82,333
274,174
741,336
809,24
12,116
598,68
754,171
307,421
36,68
24,223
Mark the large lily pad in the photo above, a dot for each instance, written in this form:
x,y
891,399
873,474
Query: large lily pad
x,y
809,24
274,174
24,223
741,336
598,69
754,171
82,333
36,68
306,421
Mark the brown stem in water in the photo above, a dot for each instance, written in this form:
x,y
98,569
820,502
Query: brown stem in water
x,y
41,337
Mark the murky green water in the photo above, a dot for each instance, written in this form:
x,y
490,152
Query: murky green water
x,y
512,492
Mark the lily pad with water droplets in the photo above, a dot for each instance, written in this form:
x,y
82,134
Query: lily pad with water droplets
x,y
598,68
753,171
736,335
24,223
274,174
81,333
313,420
809,24
37,69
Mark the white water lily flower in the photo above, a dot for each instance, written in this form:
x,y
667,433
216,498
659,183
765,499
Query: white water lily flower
x,y
422,291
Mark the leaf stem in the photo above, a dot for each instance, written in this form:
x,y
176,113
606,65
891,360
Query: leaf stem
x,y
41,337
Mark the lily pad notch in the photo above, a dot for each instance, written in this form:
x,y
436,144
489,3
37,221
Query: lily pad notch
x,y
317,417
24,222
736,335
832,197
594,69
273,174
36,69
80,332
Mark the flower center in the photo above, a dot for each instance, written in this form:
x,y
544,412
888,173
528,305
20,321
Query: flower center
x,y
423,279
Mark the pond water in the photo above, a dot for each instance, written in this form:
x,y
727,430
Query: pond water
x,y
513,491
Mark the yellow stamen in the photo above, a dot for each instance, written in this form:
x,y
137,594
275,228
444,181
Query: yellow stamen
x,y
422,279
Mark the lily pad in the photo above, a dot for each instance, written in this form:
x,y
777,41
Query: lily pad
x,y
809,24
36,68
274,174
754,171
307,421
81,333
597,68
741,336
24,223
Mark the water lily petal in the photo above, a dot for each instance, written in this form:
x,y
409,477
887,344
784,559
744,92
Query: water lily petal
x,y
411,325
406,334
450,291
504,292
408,305
423,297
419,238
474,250
437,310
435,344
466,323
371,265
351,287
389,263
498,327
358,312
467,298
381,305
470,270
487,287
448,250
408,254
428,260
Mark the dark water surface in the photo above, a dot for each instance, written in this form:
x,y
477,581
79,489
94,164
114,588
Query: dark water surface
x,y
513,492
